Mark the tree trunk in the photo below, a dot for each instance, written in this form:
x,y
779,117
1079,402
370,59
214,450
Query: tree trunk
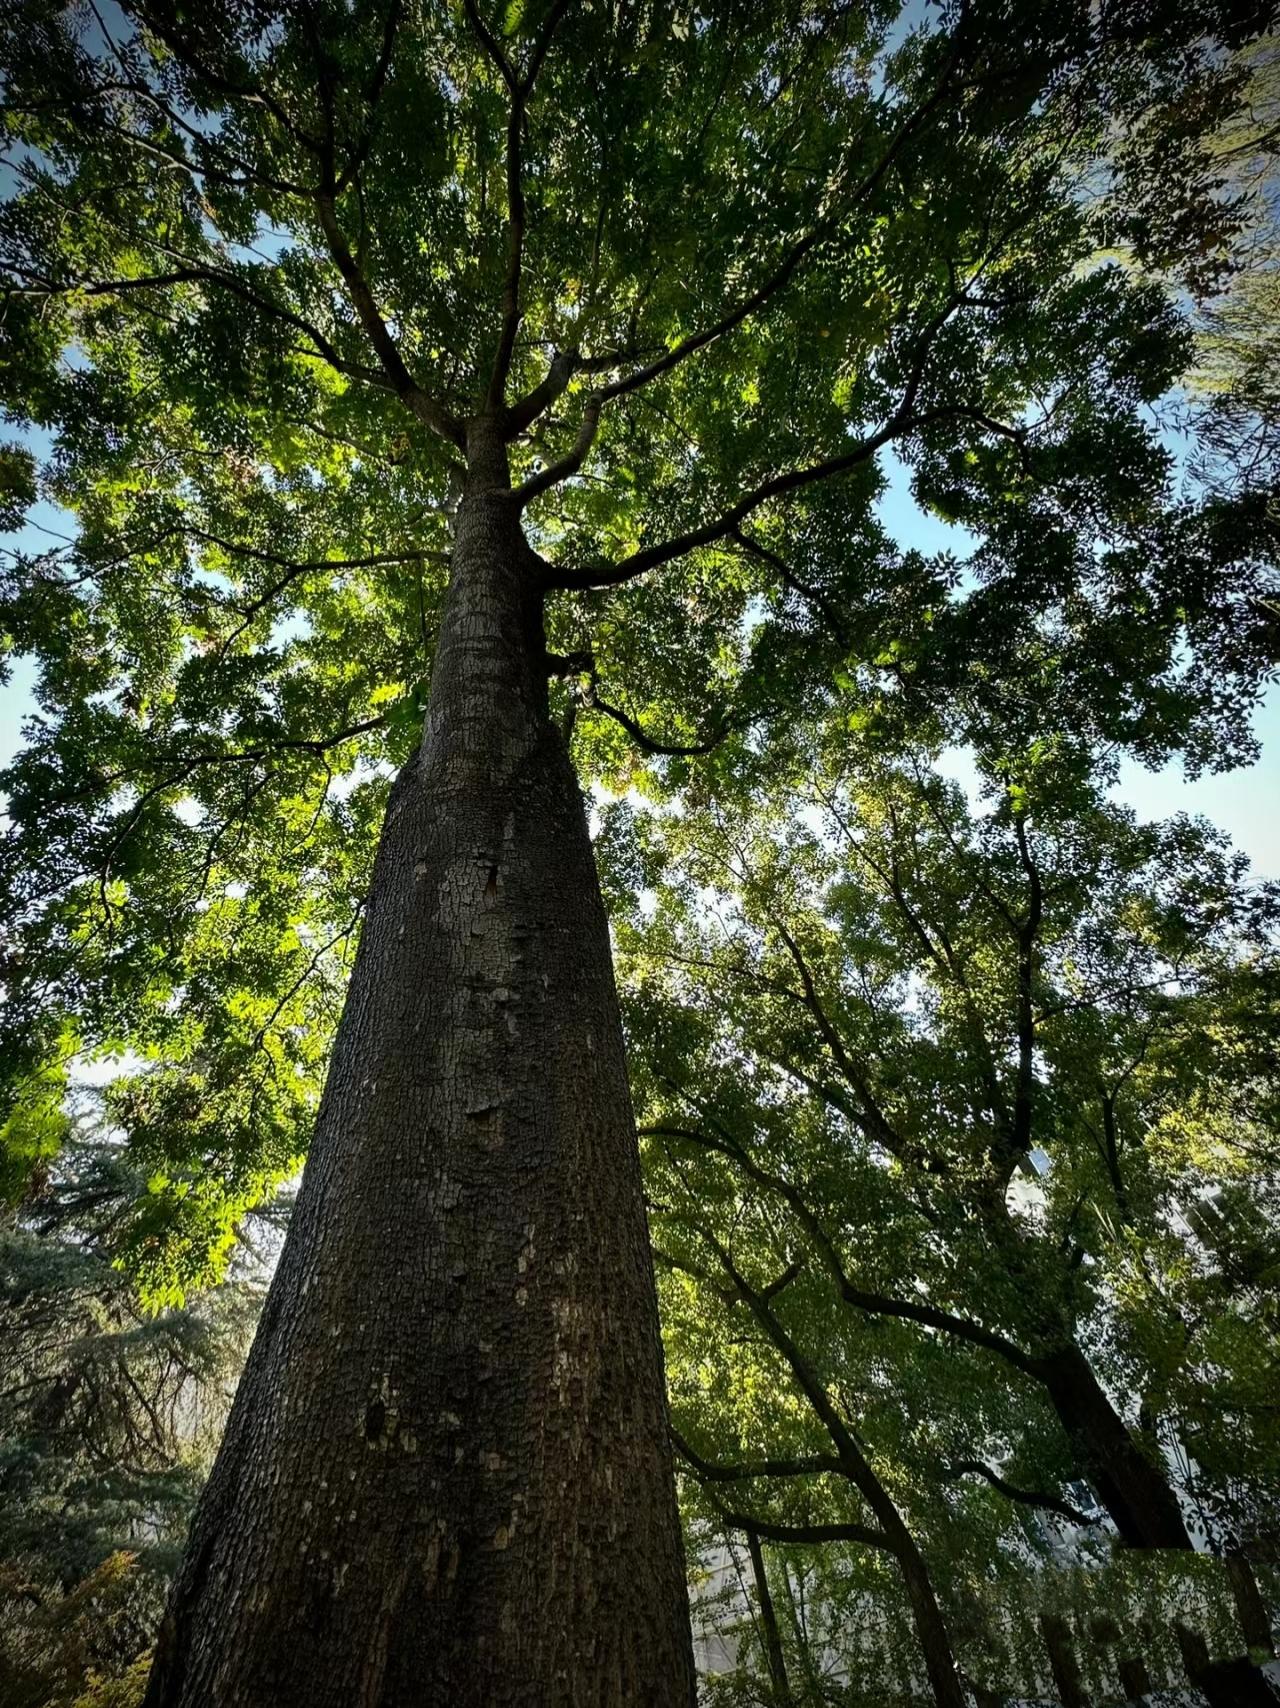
x,y
1062,1661
780,1684
1251,1609
1234,1683
1135,1680
931,1629
446,1479
1135,1492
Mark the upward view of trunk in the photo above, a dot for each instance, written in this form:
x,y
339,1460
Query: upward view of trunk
x,y
446,1478
1135,1492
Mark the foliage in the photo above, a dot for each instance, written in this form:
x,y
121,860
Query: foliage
x,y
905,1061
262,265
107,1416
949,1082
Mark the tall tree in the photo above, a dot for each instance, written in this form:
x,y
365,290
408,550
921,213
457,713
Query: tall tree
x,y
824,1001
318,300
936,1007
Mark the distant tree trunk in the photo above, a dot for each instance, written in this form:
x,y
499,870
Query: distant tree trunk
x,y
1135,1680
1234,1683
896,1537
446,1478
1251,1609
931,1629
772,1637
1062,1661
1135,1492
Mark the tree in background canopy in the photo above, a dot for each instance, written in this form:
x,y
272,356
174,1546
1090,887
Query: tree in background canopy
x,y
967,1118
400,362
109,1416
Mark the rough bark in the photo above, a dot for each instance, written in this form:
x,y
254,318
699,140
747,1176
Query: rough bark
x,y
446,1478
1135,1492
1062,1661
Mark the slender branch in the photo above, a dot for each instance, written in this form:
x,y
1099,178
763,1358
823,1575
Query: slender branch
x,y
813,1464
1028,933
662,749
220,82
873,1119
377,83
799,251
651,557
199,274
789,578
519,89
1025,1497
861,1298
428,409
573,459
771,1532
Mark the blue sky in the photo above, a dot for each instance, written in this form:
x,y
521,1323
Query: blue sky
x,y
1244,803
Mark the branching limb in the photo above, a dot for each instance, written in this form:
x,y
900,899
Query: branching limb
x,y
768,1531
660,749
519,90
427,408
876,1304
1025,1497
813,1464
724,525
196,273
351,171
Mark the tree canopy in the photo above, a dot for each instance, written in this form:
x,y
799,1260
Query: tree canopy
x,y
958,1111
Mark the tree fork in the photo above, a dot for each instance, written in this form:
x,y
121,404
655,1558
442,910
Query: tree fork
x,y
446,1478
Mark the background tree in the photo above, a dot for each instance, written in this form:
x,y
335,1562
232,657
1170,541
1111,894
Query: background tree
x,y
109,1417
843,996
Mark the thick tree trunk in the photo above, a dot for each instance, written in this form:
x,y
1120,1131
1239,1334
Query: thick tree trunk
x,y
446,1479
1135,1492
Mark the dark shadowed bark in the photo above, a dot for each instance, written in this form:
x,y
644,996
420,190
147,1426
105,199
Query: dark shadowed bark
x,y
446,1478
1233,1683
1251,1609
1062,1661
1134,1490
1135,1680
779,1683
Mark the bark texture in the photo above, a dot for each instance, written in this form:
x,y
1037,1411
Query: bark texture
x,y
446,1479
